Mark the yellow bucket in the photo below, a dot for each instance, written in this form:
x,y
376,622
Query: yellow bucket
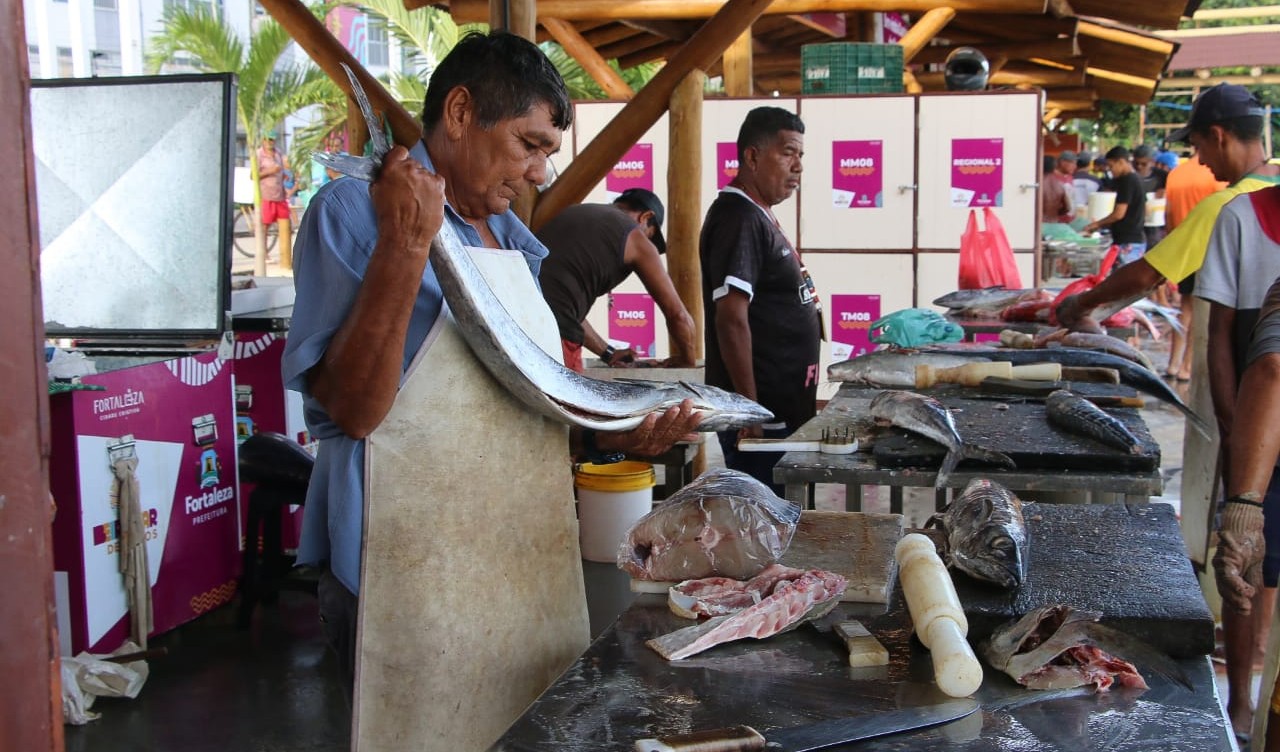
x,y
610,500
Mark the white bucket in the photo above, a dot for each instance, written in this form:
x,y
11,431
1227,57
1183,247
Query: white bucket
x,y
611,498
1154,211
1101,204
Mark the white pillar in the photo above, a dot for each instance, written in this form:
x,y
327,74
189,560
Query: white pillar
x,y
77,23
44,40
130,16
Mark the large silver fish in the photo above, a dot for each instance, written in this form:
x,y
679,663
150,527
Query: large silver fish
x,y
518,363
1057,646
931,419
891,368
1075,414
986,533
987,302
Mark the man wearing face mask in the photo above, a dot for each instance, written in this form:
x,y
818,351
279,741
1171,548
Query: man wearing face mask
x,y
763,322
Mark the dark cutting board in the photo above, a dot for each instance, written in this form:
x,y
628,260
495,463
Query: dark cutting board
x,y
1023,432
1126,561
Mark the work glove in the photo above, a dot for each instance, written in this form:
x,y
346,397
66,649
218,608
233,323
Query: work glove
x,y
1241,546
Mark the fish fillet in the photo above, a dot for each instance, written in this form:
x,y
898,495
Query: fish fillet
x,y
810,596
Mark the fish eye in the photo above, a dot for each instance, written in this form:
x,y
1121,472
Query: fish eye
x,y
1003,545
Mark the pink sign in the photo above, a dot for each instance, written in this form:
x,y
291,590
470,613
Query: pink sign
x,y
178,415
631,322
857,174
726,163
634,170
977,172
351,27
851,317
986,337
893,27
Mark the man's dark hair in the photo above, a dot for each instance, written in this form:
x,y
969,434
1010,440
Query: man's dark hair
x,y
1118,152
507,76
1247,129
763,124
1050,164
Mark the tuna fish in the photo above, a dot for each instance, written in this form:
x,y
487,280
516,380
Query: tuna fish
x,y
531,375
810,596
1075,414
985,303
986,534
1057,647
930,418
891,368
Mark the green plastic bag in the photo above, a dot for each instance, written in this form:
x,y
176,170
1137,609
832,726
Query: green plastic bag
x,y
914,327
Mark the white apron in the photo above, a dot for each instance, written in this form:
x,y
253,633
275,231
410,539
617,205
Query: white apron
x,y
471,596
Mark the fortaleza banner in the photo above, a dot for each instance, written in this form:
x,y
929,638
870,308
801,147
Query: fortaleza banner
x,y
176,418
726,163
631,322
634,170
851,317
977,172
857,174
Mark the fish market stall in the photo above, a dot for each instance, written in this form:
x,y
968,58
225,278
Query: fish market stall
x,y
620,690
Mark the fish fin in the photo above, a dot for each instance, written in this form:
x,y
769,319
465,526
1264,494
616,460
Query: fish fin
x,y
973,452
948,464
1135,651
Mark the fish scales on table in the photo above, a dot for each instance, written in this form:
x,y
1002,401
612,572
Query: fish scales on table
x,y
1077,415
986,534
534,377
809,596
1058,647
928,417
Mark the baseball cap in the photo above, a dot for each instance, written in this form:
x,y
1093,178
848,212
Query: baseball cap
x,y
1084,159
639,198
1067,156
1222,102
1168,159
271,134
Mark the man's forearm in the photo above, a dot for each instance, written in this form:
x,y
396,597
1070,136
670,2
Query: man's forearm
x,y
680,332
1130,282
735,349
1254,442
591,339
1222,367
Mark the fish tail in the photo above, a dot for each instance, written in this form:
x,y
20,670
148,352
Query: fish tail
x,y
1198,423
972,452
948,464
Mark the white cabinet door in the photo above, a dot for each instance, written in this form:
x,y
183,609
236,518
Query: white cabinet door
x,y
645,167
859,167
721,120
978,150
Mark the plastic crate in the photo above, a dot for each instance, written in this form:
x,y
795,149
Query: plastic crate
x,y
851,68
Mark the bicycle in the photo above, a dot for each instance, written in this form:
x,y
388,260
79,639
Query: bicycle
x,y
242,233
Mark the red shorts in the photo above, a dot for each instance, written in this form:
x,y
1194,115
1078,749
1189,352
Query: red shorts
x,y
273,210
572,355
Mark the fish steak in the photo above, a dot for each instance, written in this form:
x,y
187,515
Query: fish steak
x,y
717,596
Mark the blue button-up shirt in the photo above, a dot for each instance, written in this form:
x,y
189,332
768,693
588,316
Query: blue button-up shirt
x,y
335,242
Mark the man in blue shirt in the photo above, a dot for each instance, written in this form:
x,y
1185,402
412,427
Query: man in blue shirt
x,y
366,296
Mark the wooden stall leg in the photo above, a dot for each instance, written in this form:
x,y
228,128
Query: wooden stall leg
x,y
798,493
853,497
895,499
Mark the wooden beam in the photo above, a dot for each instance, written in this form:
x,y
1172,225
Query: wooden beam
x,y
1018,76
677,31
1189,82
472,11
641,41
520,17
610,33
738,77
594,162
923,31
1092,114
327,52
660,52
684,196
1053,103
911,83
1023,50
595,66
1218,31
1221,14
1013,26
1134,39
1061,9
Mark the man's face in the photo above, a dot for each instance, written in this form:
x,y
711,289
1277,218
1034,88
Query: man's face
x,y
1119,166
1209,148
777,166
1143,164
1067,166
497,164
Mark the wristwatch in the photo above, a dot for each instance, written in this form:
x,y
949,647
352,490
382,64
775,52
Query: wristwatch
x,y
607,355
591,450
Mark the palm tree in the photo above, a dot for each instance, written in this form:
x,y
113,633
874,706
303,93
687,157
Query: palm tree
x,y
266,90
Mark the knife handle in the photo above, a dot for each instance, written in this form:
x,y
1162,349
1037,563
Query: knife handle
x,y
734,739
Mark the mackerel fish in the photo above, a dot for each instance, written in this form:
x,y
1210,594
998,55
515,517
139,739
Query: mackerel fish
x,y
930,418
531,375
1077,415
986,533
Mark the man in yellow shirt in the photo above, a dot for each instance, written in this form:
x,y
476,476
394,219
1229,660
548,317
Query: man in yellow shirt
x,y
1226,129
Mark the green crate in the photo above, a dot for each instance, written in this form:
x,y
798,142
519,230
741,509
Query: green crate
x,y
851,68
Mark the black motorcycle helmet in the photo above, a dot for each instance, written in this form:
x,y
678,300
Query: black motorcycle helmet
x,y
967,70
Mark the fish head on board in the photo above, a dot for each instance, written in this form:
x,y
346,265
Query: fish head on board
x,y
986,536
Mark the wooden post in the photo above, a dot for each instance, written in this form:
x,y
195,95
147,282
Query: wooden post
x,y
924,30
597,67
30,699
684,207
702,49
739,80
516,16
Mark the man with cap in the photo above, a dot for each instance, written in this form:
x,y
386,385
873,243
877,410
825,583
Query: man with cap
x,y
275,201
594,247
1226,129
1125,219
1065,174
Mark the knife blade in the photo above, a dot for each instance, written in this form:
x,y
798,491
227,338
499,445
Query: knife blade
x,y
812,736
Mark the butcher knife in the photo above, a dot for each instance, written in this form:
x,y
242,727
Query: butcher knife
x,y
819,735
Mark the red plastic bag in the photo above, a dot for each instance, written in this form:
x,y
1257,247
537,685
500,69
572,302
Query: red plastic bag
x,y
986,258
1086,283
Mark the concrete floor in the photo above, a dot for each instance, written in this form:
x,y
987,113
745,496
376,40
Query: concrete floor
x,y
273,687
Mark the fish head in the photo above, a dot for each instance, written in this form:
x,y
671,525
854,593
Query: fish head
x,y
723,410
856,370
992,553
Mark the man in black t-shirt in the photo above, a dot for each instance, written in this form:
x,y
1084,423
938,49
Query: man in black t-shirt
x,y
1125,221
762,318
